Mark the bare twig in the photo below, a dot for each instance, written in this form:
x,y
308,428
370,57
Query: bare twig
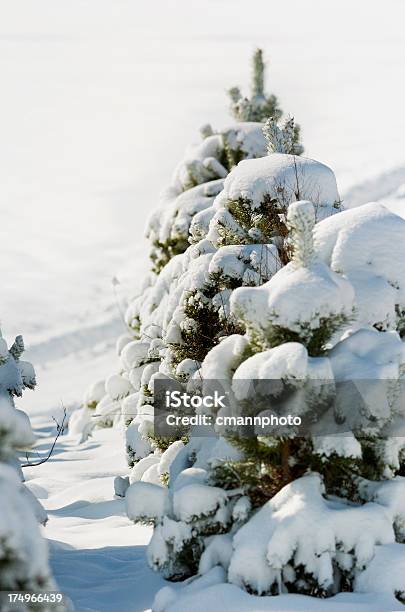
x,y
59,429
297,193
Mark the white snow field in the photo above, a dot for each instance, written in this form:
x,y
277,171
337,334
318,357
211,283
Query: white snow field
x,y
99,100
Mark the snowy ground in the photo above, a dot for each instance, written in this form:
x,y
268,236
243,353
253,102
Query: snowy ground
x,y
99,100
97,554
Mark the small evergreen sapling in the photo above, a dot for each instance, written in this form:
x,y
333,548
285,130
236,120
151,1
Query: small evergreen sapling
x,y
23,551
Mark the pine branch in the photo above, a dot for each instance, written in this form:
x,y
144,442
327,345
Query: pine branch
x,y
17,348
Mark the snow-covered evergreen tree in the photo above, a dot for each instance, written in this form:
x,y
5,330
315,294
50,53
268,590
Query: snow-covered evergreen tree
x,y
155,343
23,551
314,514
243,241
260,281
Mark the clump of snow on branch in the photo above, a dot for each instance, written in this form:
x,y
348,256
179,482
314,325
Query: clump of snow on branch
x,y
301,295
366,244
300,528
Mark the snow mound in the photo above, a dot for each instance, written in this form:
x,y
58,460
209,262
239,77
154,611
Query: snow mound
x,y
94,394
385,573
294,298
287,362
223,359
217,552
370,364
296,177
198,500
391,494
146,502
366,244
169,456
368,354
299,527
142,466
210,593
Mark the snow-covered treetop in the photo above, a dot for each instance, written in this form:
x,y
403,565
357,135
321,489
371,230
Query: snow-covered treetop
x,y
258,73
15,376
259,105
